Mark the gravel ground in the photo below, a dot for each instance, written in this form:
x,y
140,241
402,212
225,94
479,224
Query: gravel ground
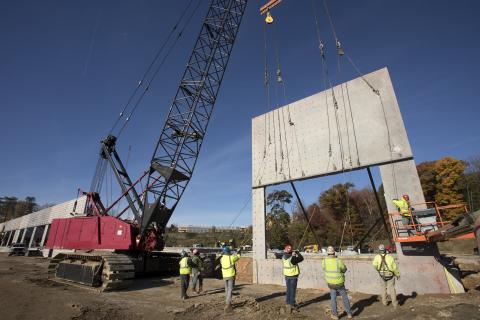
x,y
26,293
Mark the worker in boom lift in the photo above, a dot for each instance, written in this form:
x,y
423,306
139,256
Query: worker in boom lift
x,y
291,271
186,266
388,272
334,270
404,208
227,262
197,272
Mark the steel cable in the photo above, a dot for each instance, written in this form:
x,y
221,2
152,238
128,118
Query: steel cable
x,y
162,62
149,68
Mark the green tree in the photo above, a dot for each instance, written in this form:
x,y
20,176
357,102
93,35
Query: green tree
x,y
277,220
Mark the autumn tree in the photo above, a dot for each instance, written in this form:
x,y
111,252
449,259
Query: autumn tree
x,y
450,184
428,180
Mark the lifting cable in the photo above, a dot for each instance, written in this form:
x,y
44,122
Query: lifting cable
x,y
277,100
269,106
341,52
328,86
281,82
146,75
335,101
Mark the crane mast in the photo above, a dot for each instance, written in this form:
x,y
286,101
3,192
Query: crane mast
x,y
181,138
178,147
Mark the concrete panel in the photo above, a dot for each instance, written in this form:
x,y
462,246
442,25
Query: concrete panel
x,y
258,209
361,276
401,178
347,128
316,136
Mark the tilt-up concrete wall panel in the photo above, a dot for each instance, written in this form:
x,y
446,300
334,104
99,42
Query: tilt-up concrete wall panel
x,y
355,125
349,127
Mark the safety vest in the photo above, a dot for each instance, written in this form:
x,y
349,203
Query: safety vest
x,y
332,270
403,207
386,266
228,265
289,269
184,267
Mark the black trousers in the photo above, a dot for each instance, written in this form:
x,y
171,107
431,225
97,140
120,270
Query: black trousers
x,y
184,280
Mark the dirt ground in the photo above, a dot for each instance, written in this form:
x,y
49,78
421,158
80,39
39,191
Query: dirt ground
x,y
26,293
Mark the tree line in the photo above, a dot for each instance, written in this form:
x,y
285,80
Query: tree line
x,y
12,207
342,214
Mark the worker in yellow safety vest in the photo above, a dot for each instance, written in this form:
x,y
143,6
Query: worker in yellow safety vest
x,y
404,209
186,265
388,272
334,270
291,271
227,262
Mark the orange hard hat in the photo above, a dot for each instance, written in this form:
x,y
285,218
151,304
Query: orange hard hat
x,y
406,197
288,248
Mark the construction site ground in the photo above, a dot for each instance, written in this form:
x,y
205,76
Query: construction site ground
x,y
26,293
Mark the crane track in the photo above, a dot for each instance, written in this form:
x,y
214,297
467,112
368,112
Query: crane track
x,y
107,271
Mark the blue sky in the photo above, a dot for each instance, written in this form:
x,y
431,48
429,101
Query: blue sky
x,y
67,68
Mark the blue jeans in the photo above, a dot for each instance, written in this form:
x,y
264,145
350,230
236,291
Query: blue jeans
x,y
291,289
333,300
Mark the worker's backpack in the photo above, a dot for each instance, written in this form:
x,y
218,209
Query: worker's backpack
x,y
384,272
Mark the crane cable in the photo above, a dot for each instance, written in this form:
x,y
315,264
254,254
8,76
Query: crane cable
x,y
335,101
328,85
149,68
148,76
281,82
342,51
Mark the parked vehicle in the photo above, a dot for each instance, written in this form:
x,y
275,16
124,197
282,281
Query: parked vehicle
x,y
17,249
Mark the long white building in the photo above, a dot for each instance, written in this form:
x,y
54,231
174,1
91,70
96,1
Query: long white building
x,y
32,229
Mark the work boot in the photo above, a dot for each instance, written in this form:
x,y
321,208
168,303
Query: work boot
x,y
228,308
349,316
334,317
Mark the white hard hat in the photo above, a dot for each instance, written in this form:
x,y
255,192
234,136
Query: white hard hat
x,y
381,248
330,250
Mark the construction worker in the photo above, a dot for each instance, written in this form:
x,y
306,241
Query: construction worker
x,y
291,271
404,208
197,272
186,265
227,262
334,270
388,271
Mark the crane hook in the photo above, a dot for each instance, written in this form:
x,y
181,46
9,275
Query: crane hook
x,y
269,18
